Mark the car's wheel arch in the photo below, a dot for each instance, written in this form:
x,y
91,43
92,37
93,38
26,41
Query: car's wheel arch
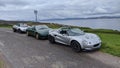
x,y
51,36
78,42
73,41
37,33
19,29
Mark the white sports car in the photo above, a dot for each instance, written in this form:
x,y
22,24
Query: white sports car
x,y
76,38
20,27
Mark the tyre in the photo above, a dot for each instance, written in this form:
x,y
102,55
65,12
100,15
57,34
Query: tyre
x,y
19,31
75,46
51,39
14,30
37,36
27,33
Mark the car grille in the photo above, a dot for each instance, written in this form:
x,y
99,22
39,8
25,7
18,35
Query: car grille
x,y
96,45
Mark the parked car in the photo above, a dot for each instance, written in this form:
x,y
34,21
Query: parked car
x,y
76,38
20,27
38,31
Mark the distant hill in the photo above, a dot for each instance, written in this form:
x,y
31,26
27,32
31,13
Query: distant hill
x,y
4,22
12,22
102,17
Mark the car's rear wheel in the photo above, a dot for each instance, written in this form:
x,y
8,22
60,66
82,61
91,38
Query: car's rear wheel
x,y
14,30
37,36
76,46
51,39
19,31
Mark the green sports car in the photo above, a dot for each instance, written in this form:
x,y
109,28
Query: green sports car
x,y
38,31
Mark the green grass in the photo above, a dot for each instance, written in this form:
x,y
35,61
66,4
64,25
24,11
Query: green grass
x,y
5,25
1,64
110,43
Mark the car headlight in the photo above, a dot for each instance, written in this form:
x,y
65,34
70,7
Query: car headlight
x,y
85,42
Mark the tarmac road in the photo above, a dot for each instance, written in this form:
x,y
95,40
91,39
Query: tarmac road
x,y
26,52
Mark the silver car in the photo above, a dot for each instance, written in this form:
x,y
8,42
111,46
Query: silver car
x,y
76,38
20,27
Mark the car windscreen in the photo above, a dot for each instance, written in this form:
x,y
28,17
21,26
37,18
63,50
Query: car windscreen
x,y
41,27
75,32
23,25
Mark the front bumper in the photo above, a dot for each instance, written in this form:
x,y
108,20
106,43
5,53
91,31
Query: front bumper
x,y
23,30
43,36
92,47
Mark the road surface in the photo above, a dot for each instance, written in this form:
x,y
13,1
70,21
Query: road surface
x,y
26,52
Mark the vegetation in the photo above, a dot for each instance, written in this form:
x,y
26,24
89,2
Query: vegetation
x,y
1,64
5,25
110,38
110,43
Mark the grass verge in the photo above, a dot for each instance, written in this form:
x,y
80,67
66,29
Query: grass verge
x,y
110,43
6,25
1,64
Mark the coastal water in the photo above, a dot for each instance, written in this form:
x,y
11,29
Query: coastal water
x,y
112,23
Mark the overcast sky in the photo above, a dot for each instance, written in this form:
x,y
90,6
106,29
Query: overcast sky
x,y
48,9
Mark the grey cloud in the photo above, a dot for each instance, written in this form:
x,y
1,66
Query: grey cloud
x,y
58,8
13,2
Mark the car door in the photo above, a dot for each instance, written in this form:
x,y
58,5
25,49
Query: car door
x,y
62,38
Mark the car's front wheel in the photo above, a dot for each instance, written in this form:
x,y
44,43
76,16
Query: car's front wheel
x,y
51,39
76,46
19,31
